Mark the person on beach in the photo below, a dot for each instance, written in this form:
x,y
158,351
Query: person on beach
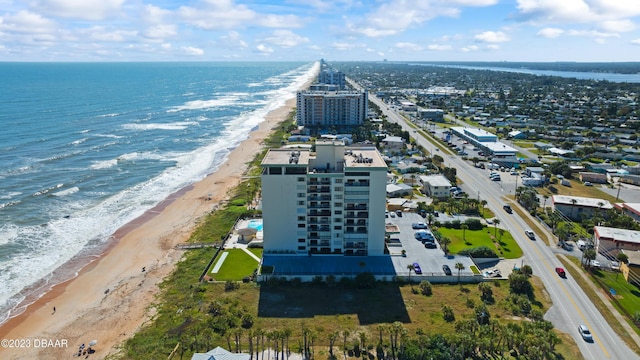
x,y
54,310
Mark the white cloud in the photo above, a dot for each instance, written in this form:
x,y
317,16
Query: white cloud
x,y
233,40
577,11
342,46
279,21
160,31
550,32
493,46
618,25
264,49
78,9
395,16
592,33
27,22
408,46
492,37
189,50
285,39
223,14
470,48
154,15
100,33
439,47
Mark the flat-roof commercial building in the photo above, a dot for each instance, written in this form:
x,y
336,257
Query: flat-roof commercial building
x,y
331,201
576,207
499,152
611,239
436,186
325,109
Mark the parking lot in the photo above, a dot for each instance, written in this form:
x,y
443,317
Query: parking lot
x,y
430,260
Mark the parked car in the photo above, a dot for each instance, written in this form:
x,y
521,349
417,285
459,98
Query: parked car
x,y
417,269
399,213
419,225
587,183
430,245
446,269
585,333
560,271
530,234
507,208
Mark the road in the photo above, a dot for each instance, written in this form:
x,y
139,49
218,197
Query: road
x,y
571,306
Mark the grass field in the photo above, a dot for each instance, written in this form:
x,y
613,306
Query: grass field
x,y
577,189
237,265
505,247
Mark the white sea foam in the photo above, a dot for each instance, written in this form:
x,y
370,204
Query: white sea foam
x,y
66,192
226,99
80,141
104,164
47,190
172,126
10,195
9,203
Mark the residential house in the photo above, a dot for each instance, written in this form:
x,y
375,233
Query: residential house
x,y
576,207
436,186
610,239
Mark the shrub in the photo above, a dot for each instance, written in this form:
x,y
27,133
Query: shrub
x,y
447,313
474,224
425,288
479,252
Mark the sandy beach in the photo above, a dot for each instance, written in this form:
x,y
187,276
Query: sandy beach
x,y
109,299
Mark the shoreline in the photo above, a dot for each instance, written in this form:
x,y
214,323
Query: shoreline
x,y
109,298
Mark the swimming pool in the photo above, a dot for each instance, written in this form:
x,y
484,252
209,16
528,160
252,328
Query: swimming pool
x,y
255,224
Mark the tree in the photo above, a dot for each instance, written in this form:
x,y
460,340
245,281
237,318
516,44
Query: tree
x,y
425,287
589,255
459,266
464,228
622,257
496,222
486,292
444,243
411,268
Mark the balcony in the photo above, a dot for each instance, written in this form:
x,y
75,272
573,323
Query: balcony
x,y
319,189
323,205
319,213
357,207
316,197
319,228
316,181
357,183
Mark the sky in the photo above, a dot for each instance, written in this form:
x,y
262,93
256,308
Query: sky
x,y
308,30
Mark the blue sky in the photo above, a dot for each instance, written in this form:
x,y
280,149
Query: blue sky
x,y
306,30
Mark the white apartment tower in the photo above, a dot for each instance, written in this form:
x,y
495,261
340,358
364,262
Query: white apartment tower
x,y
342,108
330,201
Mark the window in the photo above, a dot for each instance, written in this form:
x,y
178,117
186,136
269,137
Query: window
x,y
338,181
338,212
301,225
338,196
337,227
302,247
301,203
301,218
338,188
338,204
300,179
301,240
301,195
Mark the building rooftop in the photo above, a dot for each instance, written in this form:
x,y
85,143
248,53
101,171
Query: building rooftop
x,y
633,256
581,201
363,158
632,207
436,180
499,147
615,234
284,157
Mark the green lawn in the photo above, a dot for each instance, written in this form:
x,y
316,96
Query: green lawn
x,y
627,295
505,247
237,265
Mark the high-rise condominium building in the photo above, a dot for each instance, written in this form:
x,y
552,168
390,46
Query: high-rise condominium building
x,y
324,109
331,201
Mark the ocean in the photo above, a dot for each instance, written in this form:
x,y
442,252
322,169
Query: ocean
x,y
87,147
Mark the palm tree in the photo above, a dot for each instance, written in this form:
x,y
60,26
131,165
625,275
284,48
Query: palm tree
x,y
483,203
464,228
573,207
544,206
589,255
444,243
429,219
496,222
459,266
411,268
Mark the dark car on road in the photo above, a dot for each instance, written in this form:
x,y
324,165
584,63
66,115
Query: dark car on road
x,y
507,208
446,269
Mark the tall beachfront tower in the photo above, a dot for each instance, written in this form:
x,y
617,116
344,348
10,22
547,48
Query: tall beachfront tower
x,y
325,109
330,201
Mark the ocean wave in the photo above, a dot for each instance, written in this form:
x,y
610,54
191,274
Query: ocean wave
x,y
226,99
10,195
47,190
157,126
78,142
104,164
66,192
108,115
8,204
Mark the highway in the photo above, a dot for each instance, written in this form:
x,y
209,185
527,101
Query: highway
x,y
571,307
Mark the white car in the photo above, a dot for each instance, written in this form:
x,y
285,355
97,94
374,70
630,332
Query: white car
x,y
530,234
585,333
